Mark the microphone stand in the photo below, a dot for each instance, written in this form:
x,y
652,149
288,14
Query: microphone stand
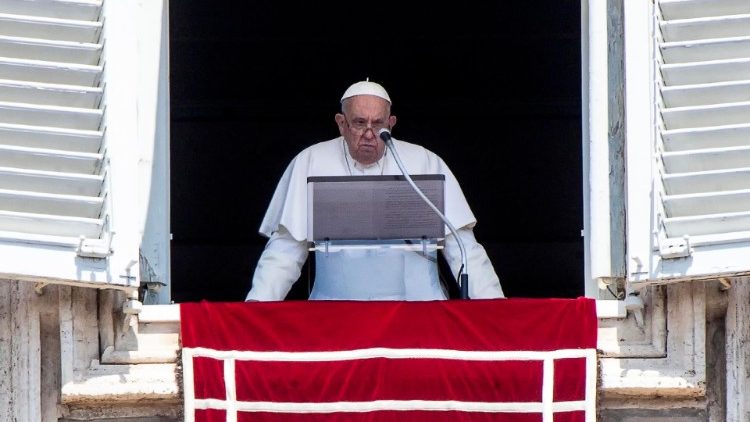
x,y
463,276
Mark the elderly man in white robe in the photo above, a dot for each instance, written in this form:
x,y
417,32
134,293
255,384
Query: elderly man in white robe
x,y
379,274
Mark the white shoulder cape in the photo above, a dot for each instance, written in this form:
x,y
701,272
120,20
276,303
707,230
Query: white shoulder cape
x,y
288,206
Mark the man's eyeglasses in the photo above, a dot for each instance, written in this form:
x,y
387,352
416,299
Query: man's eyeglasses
x,y
360,126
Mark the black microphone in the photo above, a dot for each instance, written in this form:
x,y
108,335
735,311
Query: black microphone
x,y
385,135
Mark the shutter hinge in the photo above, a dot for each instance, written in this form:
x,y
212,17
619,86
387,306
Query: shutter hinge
x,y
95,248
672,248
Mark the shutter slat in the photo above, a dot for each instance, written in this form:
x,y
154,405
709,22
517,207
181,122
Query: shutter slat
x,y
687,9
706,159
707,224
49,28
706,72
702,116
707,181
30,238
50,50
706,28
50,224
707,203
63,117
706,94
51,204
66,9
49,160
50,182
705,50
50,72
711,137
51,138
49,94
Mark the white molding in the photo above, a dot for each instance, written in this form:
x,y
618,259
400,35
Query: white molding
x,y
61,266
134,375
153,133
737,354
706,263
639,136
597,205
681,371
134,382
608,309
159,313
624,338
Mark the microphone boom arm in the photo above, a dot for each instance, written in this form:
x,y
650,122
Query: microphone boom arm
x,y
463,273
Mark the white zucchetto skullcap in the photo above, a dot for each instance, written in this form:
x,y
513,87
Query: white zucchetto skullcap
x,y
366,88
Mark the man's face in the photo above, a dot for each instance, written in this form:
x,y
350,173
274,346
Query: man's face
x,y
363,117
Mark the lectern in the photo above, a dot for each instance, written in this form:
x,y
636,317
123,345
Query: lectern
x,y
374,237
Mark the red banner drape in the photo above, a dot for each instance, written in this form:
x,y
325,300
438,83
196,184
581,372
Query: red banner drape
x,y
504,359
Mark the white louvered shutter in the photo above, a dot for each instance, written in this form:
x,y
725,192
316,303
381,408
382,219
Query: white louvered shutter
x,y
700,193
55,173
51,155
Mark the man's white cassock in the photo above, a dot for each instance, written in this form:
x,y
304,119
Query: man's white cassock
x,y
372,274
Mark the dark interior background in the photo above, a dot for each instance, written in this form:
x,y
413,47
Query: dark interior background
x,y
493,88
